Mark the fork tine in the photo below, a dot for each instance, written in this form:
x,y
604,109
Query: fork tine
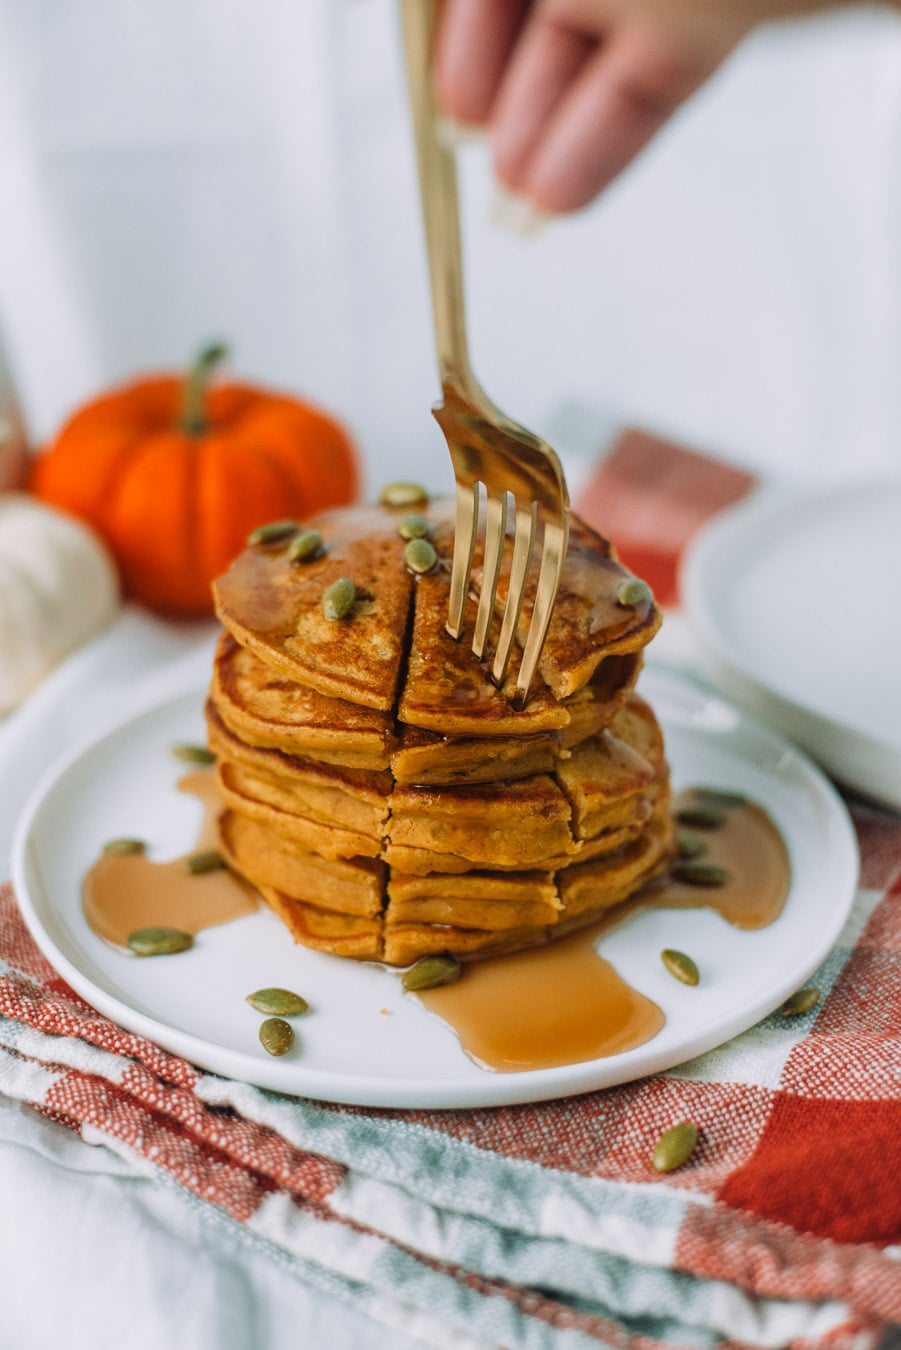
x,y
516,589
553,553
467,523
495,534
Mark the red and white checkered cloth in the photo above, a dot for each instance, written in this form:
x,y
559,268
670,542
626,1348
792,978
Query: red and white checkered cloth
x,y
545,1225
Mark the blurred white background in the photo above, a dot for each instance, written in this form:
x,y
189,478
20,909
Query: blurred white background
x,y
176,170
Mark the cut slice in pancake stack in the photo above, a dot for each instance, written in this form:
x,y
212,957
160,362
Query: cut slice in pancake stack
x,y
383,795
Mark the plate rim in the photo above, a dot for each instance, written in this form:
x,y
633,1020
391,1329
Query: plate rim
x,y
418,1093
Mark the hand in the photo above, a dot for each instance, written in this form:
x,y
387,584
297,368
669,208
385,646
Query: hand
x,y
571,90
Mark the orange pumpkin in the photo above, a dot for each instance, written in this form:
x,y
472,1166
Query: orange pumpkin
x,y
174,475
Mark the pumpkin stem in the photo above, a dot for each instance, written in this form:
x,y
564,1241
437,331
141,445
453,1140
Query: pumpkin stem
x,y
193,398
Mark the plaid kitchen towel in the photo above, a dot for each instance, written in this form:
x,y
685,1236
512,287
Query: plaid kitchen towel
x,y
543,1226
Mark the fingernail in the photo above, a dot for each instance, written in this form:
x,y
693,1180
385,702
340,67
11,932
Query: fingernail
x,y
516,213
453,134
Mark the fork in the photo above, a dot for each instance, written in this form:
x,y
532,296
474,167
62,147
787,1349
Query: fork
x,y
486,447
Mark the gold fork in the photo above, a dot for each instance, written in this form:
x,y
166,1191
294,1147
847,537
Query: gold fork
x,y
485,446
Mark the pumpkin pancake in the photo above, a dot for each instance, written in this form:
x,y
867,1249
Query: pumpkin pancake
x,y
262,707
475,900
588,624
605,771
384,796
589,887
446,689
323,930
274,607
252,795
353,799
518,827
265,858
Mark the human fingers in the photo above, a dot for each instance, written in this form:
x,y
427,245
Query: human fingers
x,y
626,89
473,46
546,64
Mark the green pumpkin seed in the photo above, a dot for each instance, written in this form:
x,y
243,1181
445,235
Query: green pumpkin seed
x,y
276,1036
414,527
271,533
690,846
420,556
633,591
124,846
278,1002
208,861
717,799
305,547
700,817
800,1002
159,941
403,494
680,965
338,599
431,971
194,754
700,874
675,1146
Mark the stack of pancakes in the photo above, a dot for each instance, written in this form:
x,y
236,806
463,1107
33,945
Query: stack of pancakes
x,y
383,796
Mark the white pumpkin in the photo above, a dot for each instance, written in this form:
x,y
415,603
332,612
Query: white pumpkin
x,y
58,587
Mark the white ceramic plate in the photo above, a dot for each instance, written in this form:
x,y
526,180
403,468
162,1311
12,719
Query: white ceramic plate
x,y
794,599
124,783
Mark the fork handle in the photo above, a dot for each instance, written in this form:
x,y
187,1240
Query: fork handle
x,y
438,195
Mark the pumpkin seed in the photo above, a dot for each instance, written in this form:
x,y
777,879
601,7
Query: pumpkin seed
x,y
278,1002
690,846
420,556
276,1036
403,494
431,971
271,533
194,754
159,941
675,1146
680,965
717,798
414,527
338,599
633,591
306,546
208,861
125,846
700,817
800,1002
700,874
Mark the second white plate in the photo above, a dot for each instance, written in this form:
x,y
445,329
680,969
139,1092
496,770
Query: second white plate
x,y
366,1042
793,598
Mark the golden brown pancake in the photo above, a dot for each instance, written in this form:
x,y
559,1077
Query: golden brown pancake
x,y
266,859
384,796
274,608
262,707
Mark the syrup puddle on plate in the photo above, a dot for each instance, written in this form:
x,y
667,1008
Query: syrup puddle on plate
x,y
557,1004
124,892
564,1004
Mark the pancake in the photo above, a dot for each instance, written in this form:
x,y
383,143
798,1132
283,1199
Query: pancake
x,y
384,796
259,853
264,708
273,607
